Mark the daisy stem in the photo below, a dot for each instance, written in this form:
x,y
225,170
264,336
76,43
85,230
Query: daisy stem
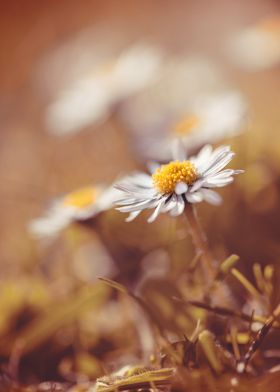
x,y
200,242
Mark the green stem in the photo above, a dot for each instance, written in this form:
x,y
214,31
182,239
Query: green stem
x,y
200,243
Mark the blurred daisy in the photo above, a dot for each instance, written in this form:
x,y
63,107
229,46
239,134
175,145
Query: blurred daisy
x,y
257,46
81,204
208,119
199,111
91,97
171,186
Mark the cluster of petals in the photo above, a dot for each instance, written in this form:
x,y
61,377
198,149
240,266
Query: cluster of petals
x,y
90,98
139,192
257,46
68,208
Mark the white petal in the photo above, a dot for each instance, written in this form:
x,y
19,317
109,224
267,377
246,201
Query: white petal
x,y
157,210
222,174
133,215
239,171
203,157
106,199
130,201
205,152
222,178
138,206
179,207
136,190
197,185
195,197
218,182
170,204
219,164
211,197
125,201
178,151
220,151
180,188
218,154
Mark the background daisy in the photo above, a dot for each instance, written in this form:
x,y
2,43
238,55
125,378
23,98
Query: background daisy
x,y
81,204
193,101
89,97
257,46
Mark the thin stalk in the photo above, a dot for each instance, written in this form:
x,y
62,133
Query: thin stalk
x,y
245,283
200,243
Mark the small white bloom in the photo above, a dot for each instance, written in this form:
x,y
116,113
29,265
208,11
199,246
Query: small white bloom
x,y
81,204
207,119
89,98
189,101
171,186
212,118
258,46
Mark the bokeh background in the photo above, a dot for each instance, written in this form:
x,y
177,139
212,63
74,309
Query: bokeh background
x,y
57,321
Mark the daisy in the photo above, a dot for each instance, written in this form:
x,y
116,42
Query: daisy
x,y
78,205
257,46
186,102
90,97
170,187
198,124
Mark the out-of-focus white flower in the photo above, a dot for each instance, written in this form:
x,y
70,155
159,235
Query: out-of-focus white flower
x,y
257,46
212,118
172,186
78,205
90,98
208,119
190,101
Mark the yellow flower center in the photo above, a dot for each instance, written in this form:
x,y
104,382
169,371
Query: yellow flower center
x,y
186,125
82,198
168,176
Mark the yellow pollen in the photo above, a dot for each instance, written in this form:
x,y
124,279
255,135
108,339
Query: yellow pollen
x,y
186,125
82,198
168,176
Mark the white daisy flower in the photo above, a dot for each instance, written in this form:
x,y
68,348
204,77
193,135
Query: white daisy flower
x,y
257,46
198,125
89,99
80,204
186,102
171,186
